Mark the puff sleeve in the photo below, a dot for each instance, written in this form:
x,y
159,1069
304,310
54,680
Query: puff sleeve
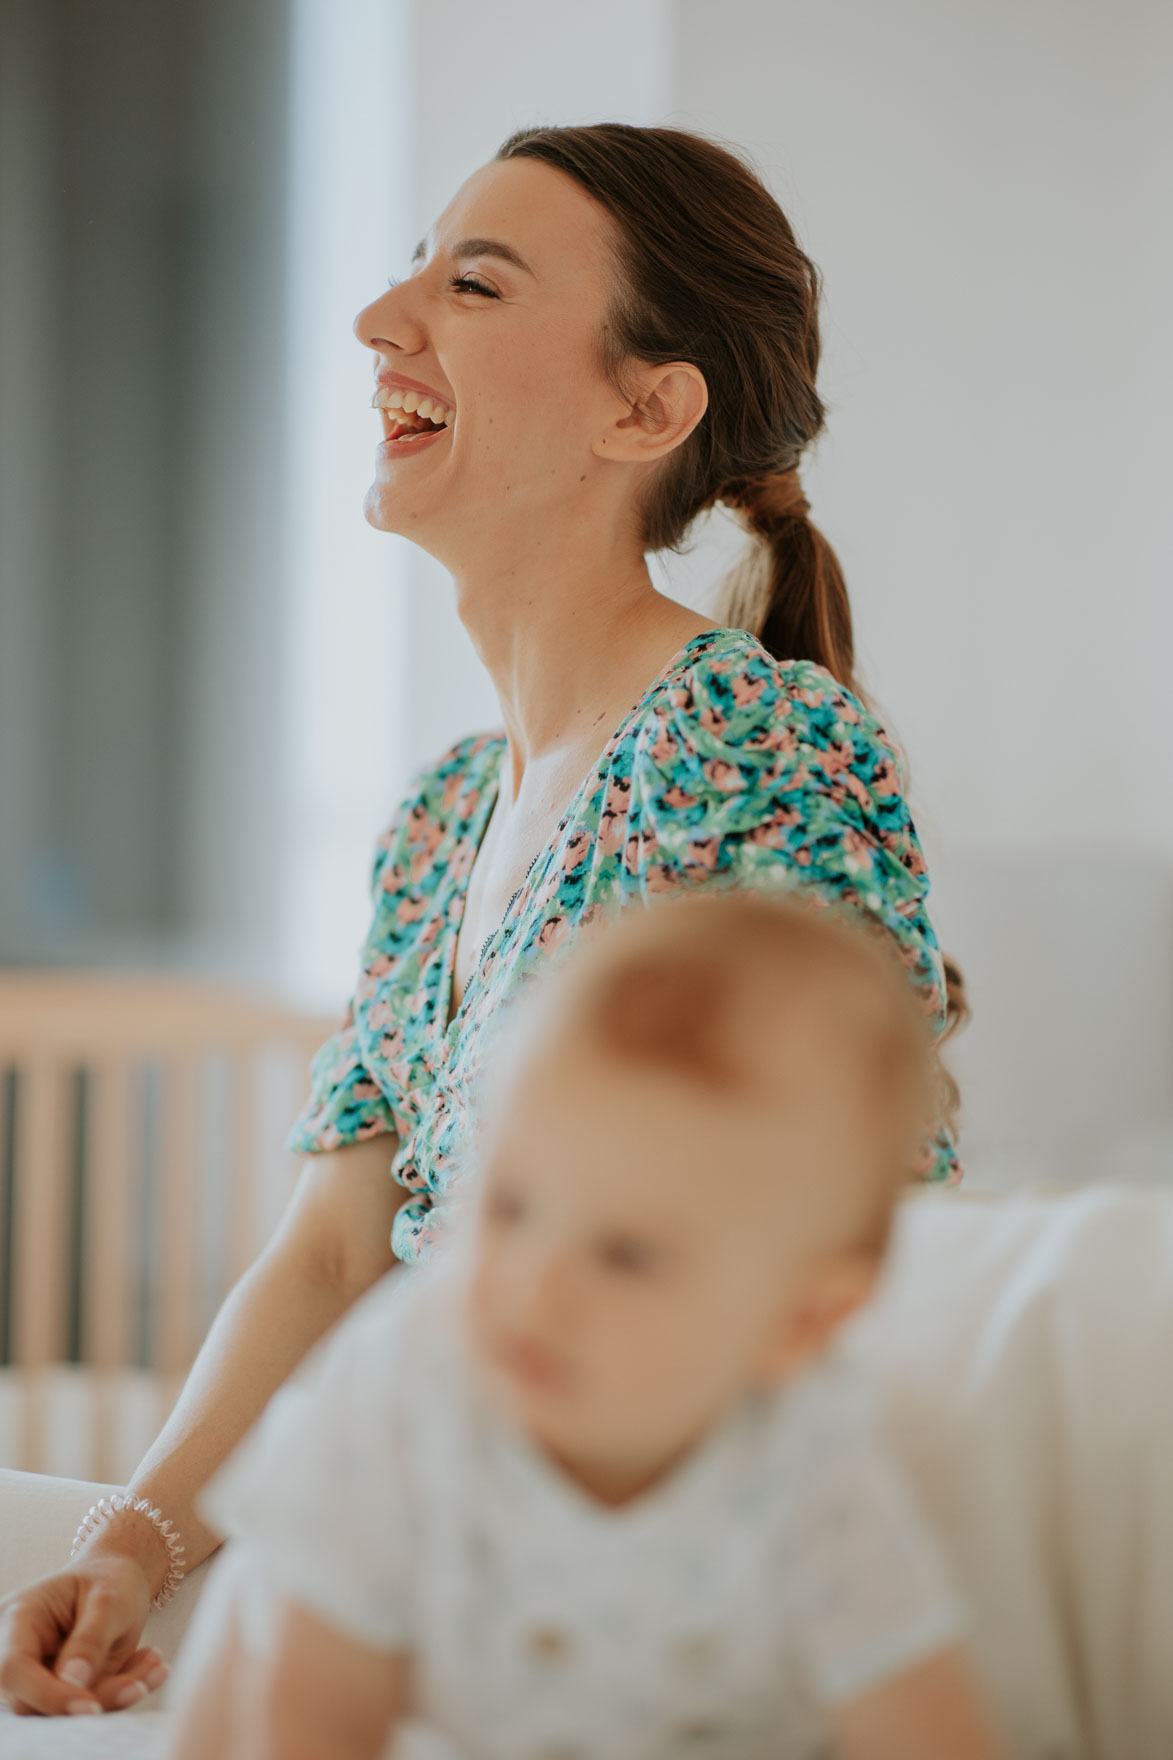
x,y
773,774
346,1104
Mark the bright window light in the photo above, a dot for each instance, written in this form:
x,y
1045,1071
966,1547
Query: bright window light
x,y
342,660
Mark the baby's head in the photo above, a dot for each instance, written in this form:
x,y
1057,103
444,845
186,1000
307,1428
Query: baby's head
x,y
697,1128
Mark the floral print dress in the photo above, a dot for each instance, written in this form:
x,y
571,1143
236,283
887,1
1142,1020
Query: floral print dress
x,y
732,764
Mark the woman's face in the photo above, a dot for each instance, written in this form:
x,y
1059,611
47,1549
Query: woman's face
x,y
511,345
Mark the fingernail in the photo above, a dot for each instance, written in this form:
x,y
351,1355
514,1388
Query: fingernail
x,y
130,1695
157,1675
77,1671
82,1707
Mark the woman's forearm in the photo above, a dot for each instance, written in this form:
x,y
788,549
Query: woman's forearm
x,y
269,1321
333,1244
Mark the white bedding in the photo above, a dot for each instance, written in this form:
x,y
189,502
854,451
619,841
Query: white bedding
x,y
1025,1352
127,1735
1025,1349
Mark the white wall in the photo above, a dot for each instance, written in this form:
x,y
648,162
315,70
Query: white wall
x,y
983,188
980,185
344,658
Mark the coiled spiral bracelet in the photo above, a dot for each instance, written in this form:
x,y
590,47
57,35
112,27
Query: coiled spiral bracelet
x,y
106,1507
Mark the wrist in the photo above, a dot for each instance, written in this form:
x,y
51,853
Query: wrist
x,y
122,1540
116,1531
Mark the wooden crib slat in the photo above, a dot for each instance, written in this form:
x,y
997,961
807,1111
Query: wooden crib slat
x,y
42,1223
111,1224
42,1174
177,1243
243,1183
111,1230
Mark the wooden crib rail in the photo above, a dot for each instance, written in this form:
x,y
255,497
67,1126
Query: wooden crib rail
x,y
141,1170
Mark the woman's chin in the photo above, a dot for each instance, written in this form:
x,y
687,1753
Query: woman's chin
x,y
377,510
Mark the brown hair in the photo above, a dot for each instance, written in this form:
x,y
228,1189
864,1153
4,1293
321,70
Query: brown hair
x,y
708,270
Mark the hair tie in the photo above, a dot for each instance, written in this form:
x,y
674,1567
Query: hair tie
x,y
769,501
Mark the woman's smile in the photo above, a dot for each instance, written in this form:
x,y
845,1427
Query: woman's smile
x,y
411,414
404,440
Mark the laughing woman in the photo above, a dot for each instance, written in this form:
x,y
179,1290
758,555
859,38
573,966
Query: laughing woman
x,y
609,330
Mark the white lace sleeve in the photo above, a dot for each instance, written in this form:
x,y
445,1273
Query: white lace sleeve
x,y
319,1489
874,1594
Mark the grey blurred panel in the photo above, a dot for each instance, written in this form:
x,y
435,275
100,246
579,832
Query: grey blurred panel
x,y
28,564
142,207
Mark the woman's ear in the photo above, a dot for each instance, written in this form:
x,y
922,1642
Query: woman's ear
x,y
827,1293
671,401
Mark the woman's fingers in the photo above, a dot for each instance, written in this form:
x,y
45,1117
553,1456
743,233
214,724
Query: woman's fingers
x,y
68,1642
112,1601
101,1639
145,1671
31,1624
29,1686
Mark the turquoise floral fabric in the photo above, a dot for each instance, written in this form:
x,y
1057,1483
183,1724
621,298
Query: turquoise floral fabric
x,y
732,765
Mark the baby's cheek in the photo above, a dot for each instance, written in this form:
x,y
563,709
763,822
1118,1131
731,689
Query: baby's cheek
x,y
647,1354
482,1322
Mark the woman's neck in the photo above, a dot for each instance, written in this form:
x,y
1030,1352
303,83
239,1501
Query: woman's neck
x,y
564,651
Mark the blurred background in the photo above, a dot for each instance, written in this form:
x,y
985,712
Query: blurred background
x,y
195,201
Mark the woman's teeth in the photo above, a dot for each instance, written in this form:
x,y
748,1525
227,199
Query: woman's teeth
x,y
412,403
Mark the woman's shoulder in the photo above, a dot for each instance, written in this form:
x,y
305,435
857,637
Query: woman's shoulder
x,y
466,763
445,789
735,714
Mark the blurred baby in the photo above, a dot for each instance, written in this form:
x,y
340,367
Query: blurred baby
x,y
596,1482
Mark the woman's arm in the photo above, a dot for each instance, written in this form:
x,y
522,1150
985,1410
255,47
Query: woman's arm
x,y
928,1712
331,1246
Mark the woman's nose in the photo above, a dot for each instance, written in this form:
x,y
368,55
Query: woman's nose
x,y
363,325
385,317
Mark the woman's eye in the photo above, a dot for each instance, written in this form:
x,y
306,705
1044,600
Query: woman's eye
x,y
465,283
471,285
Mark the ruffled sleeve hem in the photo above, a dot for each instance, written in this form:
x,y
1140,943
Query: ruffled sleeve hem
x,y
772,776
346,1104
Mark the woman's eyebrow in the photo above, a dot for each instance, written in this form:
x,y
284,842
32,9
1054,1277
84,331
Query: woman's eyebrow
x,y
478,247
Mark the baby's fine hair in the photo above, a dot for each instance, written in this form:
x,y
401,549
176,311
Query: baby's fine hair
x,y
676,988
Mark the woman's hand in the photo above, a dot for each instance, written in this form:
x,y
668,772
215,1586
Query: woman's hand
x,y
69,1643
331,1245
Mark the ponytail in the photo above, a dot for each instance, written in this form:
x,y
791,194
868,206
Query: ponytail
x,y
792,595
789,591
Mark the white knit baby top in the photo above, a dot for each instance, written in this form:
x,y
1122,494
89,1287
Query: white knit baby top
x,y
781,1569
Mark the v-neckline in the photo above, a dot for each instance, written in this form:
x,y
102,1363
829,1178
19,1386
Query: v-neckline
x,y
685,1484
545,854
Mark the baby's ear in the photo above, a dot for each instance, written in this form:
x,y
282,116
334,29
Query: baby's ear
x,y
826,1293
